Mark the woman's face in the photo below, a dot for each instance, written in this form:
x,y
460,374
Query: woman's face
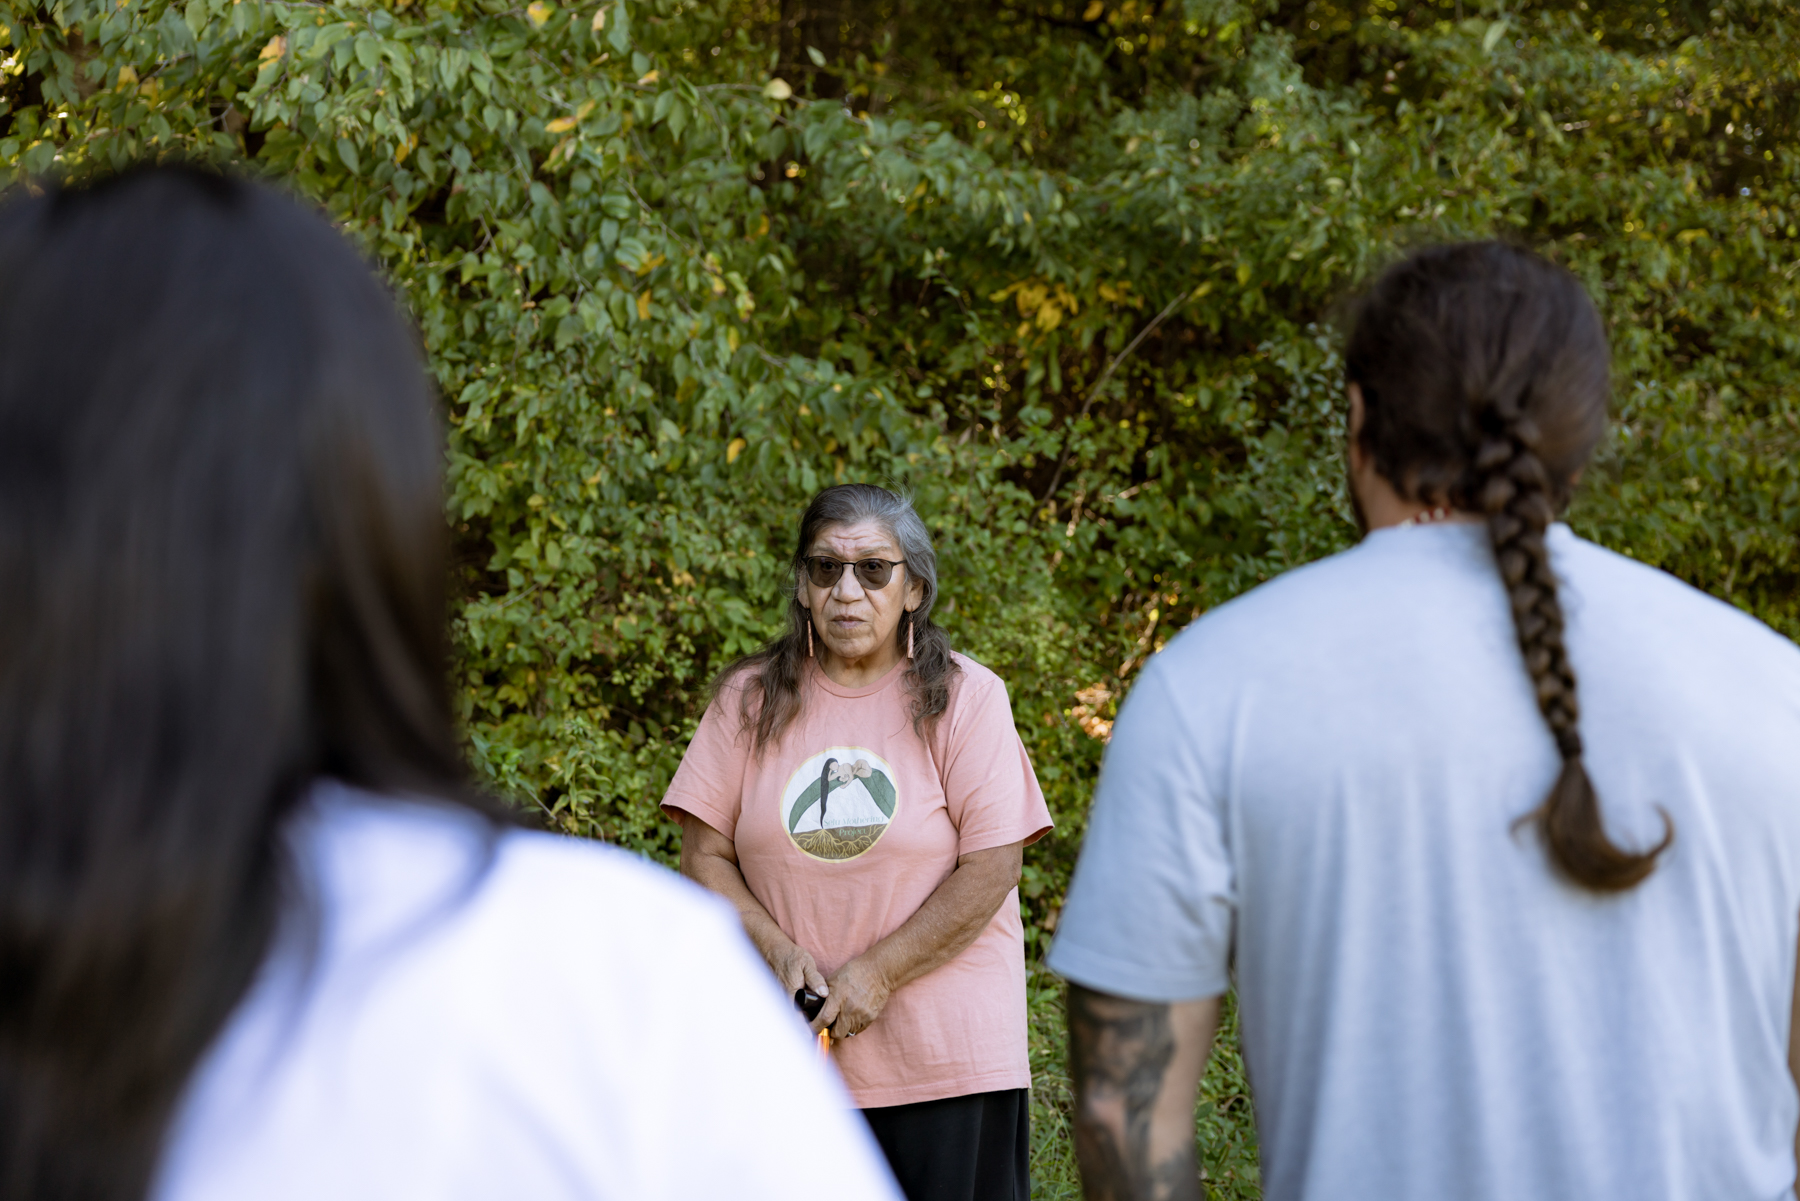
x,y
856,622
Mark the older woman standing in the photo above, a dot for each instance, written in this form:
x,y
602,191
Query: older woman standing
x,y
858,791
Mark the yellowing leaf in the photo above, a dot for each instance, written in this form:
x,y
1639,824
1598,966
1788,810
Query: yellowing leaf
x,y
128,77
731,339
718,286
537,12
777,89
276,47
565,124
735,449
1094,10
599,20
643,305
649,77
1243,273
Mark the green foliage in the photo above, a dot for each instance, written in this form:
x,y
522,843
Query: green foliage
x,y
1063,268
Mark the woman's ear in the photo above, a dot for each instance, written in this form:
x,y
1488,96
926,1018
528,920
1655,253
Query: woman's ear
x,y
1353,427
915,592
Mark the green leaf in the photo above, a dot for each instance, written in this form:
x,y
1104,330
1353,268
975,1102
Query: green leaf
x,y
882,790
346,151
1495,31
618,28
808,796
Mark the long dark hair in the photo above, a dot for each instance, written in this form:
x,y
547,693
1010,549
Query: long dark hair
x,y
1484,371
221,576
771,678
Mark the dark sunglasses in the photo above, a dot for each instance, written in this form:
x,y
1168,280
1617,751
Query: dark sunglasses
x,y
874,573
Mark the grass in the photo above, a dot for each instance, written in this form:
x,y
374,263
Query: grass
x,y
1223,1121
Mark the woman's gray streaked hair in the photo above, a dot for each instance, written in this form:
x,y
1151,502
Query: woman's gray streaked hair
x,y
770,679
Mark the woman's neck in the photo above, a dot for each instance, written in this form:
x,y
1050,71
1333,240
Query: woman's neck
x,y
859,673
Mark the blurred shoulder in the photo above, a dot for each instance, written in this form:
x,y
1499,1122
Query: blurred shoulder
x,y
384,861
1619,597
1312,599
619,906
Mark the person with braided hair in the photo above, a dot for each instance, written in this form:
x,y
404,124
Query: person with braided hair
x,y
1495,832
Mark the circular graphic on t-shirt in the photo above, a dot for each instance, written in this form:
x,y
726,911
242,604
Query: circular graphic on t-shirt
x,y
839,802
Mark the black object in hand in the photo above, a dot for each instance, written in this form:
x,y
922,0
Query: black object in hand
x,y
808,1002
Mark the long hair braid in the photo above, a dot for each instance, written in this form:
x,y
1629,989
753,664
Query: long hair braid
x,y
1484,373
1513,491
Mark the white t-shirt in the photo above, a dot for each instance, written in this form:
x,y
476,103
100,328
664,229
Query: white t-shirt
x,y
1323,777
570,1023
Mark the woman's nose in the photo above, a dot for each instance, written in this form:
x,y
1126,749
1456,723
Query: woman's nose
x,y
848,587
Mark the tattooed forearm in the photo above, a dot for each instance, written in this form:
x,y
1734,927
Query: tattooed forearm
x,y
1122,1054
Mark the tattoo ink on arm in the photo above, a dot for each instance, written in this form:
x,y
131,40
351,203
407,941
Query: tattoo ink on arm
x,y
1136,1067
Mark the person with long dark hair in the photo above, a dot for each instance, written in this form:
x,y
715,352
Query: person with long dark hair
x,y
859,792
259,937
1497,832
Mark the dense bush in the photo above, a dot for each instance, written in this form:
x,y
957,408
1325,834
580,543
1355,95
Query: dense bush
x,y
1063,268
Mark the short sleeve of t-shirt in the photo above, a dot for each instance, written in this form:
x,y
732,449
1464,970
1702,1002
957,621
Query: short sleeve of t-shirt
x,y
1150,909
989,787
710,781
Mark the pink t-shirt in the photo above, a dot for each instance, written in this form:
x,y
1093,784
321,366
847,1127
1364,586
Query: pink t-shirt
x,y
848,824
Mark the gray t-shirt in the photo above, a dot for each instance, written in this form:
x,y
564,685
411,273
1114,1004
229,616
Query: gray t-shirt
x,y
1320,781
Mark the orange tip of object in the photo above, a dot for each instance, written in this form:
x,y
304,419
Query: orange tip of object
x,y
824,1042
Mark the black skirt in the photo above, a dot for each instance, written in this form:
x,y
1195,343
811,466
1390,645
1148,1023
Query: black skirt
x,y
973,1148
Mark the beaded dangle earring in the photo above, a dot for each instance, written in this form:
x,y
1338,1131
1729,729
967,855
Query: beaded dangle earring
x,y
911,622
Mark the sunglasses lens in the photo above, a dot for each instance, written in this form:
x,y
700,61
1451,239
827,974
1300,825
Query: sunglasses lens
x,y
874,573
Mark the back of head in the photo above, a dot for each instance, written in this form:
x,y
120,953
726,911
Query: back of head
x,y
220,577
1484,372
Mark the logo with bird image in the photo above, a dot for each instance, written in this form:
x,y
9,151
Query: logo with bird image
x,y
839,802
